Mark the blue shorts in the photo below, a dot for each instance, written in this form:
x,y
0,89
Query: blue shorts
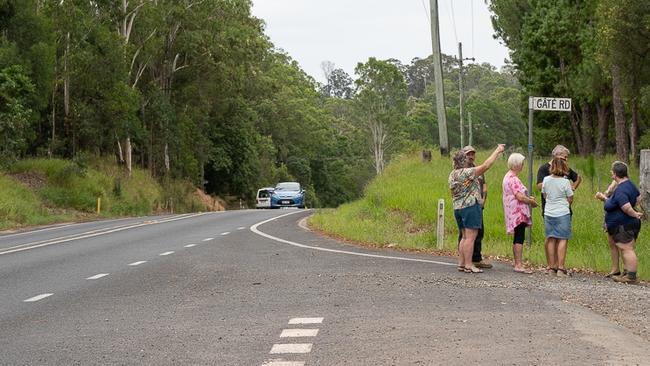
x,y
557,227
469,217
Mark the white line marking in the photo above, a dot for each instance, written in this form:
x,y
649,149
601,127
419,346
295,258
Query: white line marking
x,y
35,231
226,233
37,298
97,276
291,348
241,228
284,363
88,234
306,321
256,231
291,333
166,253
207,239
190,245
137,263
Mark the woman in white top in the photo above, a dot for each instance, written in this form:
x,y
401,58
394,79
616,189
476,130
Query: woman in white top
x,y
557,215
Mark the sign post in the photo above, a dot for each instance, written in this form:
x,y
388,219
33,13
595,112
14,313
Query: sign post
x,y
540,104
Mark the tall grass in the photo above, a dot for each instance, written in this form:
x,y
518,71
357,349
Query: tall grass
x,y
70,190
400,207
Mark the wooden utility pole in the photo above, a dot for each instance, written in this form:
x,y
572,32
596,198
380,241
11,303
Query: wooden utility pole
x,y
469,120
437,73
460,93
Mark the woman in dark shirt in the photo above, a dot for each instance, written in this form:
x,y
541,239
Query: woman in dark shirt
x,y
623,222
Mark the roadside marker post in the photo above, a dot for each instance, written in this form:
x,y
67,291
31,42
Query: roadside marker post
x,y
540,104
440,227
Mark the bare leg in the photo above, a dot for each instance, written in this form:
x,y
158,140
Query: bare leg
x,y
518,251
561,252
613,249
467,247
548,249
551,252
629,256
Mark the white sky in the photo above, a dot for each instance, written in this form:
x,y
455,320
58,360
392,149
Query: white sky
x,y
346,32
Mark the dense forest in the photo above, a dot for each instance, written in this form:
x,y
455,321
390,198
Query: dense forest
x,y
594,51
193,89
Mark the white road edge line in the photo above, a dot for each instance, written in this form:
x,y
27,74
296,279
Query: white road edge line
x,y
137,263
283,363
38,297
226,233
306,321
291,348
97,276
207,239
256,231
190,245
166,253
90,234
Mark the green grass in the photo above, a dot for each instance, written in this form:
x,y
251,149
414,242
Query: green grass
x,y
69,191
400,208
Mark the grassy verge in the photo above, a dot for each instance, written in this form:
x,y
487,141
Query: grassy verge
x,y
399,208
42,191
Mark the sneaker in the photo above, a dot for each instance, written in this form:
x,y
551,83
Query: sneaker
x,y
625,279
482,264
561,272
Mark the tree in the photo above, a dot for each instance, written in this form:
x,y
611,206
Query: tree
x,y
381,100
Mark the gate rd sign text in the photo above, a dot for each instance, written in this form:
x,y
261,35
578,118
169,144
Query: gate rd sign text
x,y
549,104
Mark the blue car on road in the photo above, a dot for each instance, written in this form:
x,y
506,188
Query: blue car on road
x,y
288,194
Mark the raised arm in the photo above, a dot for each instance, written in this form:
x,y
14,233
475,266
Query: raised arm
x,y
489,161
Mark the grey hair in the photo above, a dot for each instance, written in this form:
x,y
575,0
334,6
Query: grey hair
x,y
619,169
560,149
515,160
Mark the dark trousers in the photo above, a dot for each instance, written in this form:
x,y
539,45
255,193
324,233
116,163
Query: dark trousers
x,y
476,255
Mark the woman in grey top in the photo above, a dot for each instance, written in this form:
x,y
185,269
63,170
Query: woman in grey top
x,y
558,193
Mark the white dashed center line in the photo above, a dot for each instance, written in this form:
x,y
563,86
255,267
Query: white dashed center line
x,y
166,253
306,321
190,245
97,276
226,233
137,263
241,228
291,348
299,333
38,297
207,239
284,363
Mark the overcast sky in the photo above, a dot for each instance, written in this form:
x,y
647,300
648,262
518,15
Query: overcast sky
x,y
346,32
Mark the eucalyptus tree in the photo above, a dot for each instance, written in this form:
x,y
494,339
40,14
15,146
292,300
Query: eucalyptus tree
x,y
381,100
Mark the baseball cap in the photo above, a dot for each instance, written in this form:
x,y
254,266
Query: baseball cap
x,y
468,148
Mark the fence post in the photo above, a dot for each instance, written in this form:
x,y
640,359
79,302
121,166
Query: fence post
x,y
644,182
440,228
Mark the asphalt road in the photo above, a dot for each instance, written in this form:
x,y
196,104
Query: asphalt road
x,y
224,288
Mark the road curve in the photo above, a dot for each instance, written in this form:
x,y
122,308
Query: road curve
x,y
253,288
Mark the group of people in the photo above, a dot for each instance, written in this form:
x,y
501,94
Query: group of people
x,y
557,183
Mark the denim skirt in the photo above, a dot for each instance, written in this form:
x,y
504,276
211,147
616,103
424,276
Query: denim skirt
x,y
557,227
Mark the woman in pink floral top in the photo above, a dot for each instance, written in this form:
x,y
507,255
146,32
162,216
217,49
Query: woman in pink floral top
x,y
516,207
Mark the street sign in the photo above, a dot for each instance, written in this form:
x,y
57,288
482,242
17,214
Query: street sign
x,y
549,104
540,104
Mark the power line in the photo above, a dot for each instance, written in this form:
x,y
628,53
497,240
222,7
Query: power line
x,y
453,20
426,12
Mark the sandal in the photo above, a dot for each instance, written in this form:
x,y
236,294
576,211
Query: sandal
x,y
461,269
550,271
472,270
612,274
523,271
